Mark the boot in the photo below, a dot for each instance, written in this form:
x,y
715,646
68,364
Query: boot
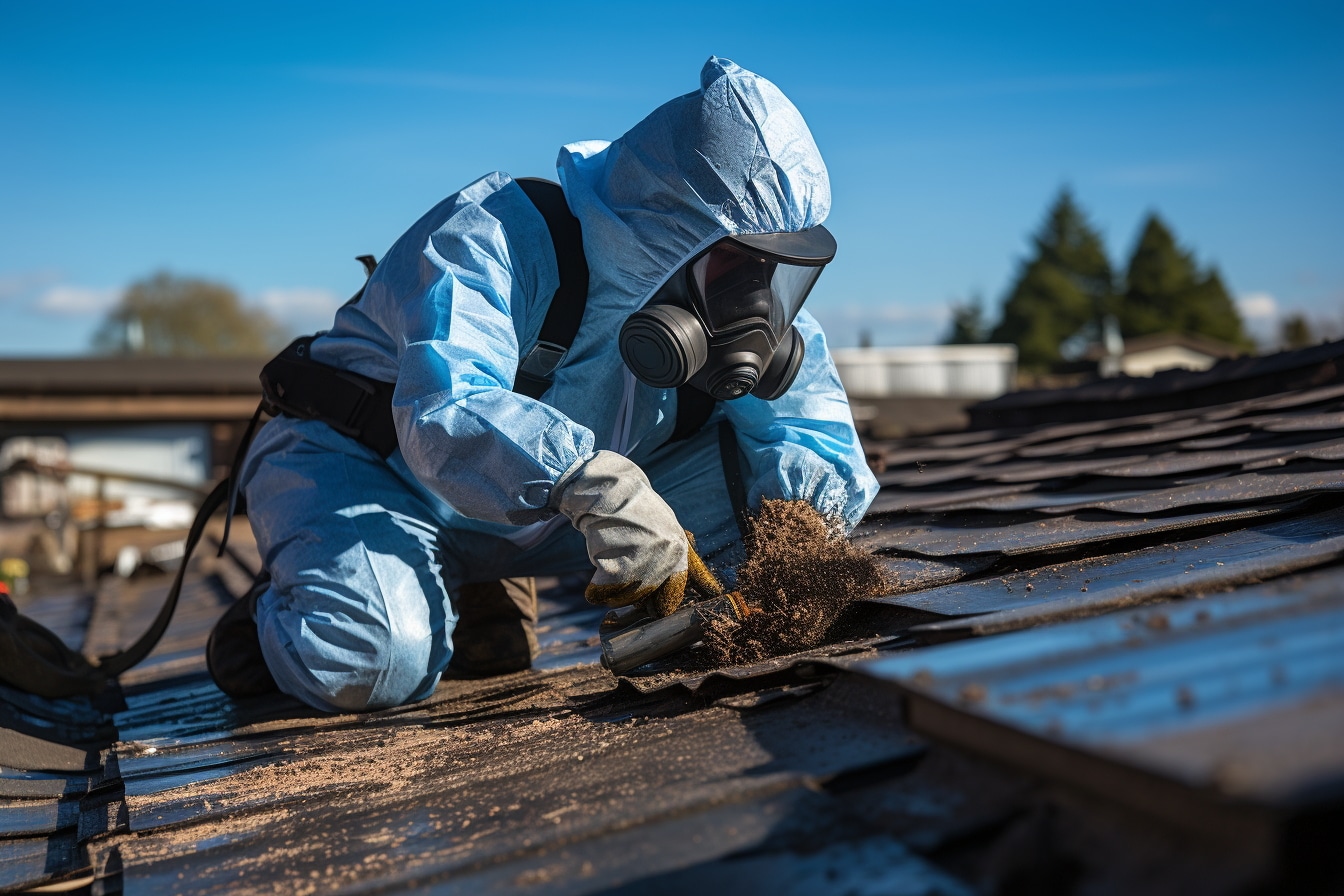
x,y
233,653
496,628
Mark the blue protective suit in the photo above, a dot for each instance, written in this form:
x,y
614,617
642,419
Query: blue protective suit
x,y
365,553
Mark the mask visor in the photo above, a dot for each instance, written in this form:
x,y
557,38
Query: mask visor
x,y
736,285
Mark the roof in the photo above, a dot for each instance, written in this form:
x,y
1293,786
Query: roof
x,y
1204,345
1111,664
50,391
1229,380
130,376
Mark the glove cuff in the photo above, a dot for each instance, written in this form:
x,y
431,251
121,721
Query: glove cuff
x,y
603,485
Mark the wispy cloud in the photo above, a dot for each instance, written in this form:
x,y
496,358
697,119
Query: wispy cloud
x,y
469,84
997,88
886,324
1261,313
889,312
69,300
19,283
1162,174
301,307
1258,306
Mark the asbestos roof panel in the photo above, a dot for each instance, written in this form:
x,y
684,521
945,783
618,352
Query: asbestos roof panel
x,y
1294,482
467,793
1262,551
1230,422
27,817
954,537
917,573
33,861
896,500
1127,441
1118,463
26,718
16,784
1197,693
764,677
134,376
1137,496
683,776
873,864
1230,380
1250,458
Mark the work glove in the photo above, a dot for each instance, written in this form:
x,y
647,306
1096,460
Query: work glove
x,y
632,536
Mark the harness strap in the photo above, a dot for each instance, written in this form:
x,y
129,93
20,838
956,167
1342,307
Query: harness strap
x,y
537,369
693,409
235,468
730,454
117,663
357,406
34,659
361,407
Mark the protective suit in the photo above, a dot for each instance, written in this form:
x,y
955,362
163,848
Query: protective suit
x,y
366,554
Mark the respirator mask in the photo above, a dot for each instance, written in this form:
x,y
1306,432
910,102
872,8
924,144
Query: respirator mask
x,y
723,322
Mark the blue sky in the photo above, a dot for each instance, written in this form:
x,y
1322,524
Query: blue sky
x,y
265,145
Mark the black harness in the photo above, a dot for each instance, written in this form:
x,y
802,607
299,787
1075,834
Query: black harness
x,y
35,660
360,407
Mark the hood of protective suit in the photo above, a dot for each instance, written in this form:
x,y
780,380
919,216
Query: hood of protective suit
x,y
735,156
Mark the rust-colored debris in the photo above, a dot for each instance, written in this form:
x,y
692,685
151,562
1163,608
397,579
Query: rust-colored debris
x,y
799,575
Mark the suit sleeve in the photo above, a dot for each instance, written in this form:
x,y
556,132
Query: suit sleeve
x,y
463,290
802,446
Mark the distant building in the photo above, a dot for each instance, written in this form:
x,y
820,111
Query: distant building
x,y
90,444
902,390
197,405
927,371
1146,355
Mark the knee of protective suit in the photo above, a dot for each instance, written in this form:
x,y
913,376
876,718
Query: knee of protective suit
x,y
340,662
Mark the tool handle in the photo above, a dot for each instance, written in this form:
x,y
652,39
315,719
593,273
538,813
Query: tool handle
x,y
658,638
618,619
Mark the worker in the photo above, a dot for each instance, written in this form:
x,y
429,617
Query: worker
x,y
702,233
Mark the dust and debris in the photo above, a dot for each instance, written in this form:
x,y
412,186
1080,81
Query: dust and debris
x,y
799,574
973,692
1158,622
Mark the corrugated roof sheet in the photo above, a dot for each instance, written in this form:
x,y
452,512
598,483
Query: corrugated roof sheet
x,y
130,376
1216,716
1232,705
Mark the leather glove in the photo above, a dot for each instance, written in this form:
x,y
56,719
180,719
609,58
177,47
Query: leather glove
x,y
633,537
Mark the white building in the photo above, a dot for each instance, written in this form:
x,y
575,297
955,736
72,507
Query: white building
x,y
1146,355
927,371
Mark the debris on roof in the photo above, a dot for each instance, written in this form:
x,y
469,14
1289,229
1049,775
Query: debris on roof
x,y
1141,585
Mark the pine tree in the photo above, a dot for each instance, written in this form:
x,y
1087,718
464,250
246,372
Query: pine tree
x,y
1166,291
1064,286
1295,332
967,326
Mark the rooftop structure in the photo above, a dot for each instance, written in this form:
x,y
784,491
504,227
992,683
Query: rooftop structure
x,y
1147,355
1112,663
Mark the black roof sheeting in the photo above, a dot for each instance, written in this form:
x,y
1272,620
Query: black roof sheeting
x,y
131,376
886,760
1232,379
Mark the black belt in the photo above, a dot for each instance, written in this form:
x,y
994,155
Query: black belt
x,y
292,383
